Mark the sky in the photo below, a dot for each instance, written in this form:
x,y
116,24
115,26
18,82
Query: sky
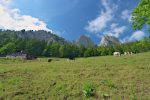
x,y
72,18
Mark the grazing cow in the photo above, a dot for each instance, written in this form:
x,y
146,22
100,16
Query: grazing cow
x,y
31,57
49,60
131,53
117,54
125,53
128,53
71,58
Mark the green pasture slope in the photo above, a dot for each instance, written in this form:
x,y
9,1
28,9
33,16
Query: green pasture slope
x,y
96,78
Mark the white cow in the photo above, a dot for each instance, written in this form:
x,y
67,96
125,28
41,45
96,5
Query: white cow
x,y
117,54
131,53
125,53
128,53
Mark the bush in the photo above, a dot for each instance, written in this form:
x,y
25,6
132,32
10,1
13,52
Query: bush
x,y
88,90
109,83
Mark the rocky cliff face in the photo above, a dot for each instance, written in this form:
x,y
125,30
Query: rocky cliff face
x,y
84,41
109,41
41,35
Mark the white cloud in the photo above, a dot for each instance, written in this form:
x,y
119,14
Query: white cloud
x,y
13,20
114,25
138,35
125,40
5,2
106,15
126,15
115,30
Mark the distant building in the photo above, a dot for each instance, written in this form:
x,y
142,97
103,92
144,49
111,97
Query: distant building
x,y
1,55
21,55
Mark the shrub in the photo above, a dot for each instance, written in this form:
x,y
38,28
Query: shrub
x,y
89,90
109,83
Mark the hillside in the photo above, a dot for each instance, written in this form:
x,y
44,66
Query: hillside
x,y
40,35
37,43
113,78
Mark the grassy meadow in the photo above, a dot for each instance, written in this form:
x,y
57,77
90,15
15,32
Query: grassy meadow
x,y
95,78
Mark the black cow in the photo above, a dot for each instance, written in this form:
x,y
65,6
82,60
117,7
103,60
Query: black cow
x,y
71,58
31,57
49,60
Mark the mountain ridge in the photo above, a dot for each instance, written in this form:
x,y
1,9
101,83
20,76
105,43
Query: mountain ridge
x,y
41,35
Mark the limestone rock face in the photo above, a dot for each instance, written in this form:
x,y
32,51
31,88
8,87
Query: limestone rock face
x,y
84,41
109,41
42,36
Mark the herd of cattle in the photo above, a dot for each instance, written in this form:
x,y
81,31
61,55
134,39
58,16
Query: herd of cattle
x,y
71,58
125,53
117,54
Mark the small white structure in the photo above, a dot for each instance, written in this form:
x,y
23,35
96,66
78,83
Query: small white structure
x,y
117,54
21,55
17,55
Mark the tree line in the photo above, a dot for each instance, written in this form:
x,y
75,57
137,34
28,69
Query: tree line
x,y
10,43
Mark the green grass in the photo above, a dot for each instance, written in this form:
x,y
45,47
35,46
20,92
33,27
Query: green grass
x,y
113,78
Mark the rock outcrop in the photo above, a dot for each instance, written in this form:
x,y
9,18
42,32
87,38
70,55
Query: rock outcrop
x,y
84,41
107,41
41,35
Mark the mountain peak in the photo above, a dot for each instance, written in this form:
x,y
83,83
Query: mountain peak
x,y
109,41
85,41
